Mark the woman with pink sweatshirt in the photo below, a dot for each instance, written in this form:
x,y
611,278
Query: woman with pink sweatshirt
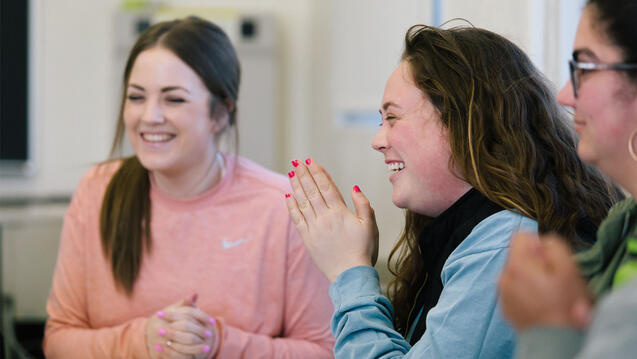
x,y
182,251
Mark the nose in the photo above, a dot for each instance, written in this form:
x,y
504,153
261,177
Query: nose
x,y
152,113
565,96
379,142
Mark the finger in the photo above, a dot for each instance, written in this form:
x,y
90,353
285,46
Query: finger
x,y
296,215
327,188
524,250
186,338
178,350
302,202
329,178
559,255
189,326
310,187
363,209
197,314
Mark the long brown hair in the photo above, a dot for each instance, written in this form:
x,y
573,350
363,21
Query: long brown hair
x,y
125,216
509,140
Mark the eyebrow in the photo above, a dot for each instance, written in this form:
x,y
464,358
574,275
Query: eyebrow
x,y
587,52
165,89
386,105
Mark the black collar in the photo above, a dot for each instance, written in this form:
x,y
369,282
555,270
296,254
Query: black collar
x,y
440,237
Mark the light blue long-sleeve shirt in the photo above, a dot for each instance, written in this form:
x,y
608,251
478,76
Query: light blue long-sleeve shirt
x,y
465,323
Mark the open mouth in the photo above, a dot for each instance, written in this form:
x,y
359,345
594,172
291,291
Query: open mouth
x,y
157,137
396,166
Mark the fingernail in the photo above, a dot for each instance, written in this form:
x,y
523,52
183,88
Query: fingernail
x,y
206,348
161,332
193,300
158,348
161,314
357,189
295,163
287,195
308,161
212,320
291,174
208,333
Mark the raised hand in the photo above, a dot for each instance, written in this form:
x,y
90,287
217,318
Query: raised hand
x,y
182,331
541,285
336,238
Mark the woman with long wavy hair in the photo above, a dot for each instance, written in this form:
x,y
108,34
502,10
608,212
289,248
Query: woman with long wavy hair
x,y
478,149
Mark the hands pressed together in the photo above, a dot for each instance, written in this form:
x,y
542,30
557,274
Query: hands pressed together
x,y
182,331
336,238
541,285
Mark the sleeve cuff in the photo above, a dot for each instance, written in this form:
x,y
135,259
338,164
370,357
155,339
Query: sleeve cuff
x,y
549,343
355,282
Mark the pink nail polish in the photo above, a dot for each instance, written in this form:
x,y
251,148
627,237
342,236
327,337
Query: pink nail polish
x,y
161,332
212,321
159,348
161,314
357,189
295,163
208,333
308,161
287,195
291,174
193,299
206,348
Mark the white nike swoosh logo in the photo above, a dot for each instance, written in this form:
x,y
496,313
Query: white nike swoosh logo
x,y
229,244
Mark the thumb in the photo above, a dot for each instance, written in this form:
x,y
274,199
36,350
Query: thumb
x,y
363,209
188,302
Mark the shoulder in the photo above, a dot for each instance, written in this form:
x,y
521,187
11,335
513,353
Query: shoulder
x,y
257,177
494,233
97,178
619,212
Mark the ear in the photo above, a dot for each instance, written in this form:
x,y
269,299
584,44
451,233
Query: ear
x,y
219,121
221,116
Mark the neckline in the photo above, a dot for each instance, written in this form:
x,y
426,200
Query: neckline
x,y
227,172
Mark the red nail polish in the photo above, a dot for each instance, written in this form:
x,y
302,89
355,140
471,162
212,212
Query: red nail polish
x,y
308,161
357,189
287,195
291,174
295,163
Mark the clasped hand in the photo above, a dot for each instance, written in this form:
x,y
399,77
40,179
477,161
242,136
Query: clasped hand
x,y
181,331
336,238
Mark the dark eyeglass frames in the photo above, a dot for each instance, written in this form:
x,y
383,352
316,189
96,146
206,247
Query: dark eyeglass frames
x,y
578,68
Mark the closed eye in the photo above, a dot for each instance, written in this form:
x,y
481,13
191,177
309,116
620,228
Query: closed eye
x,y
175,99
135,97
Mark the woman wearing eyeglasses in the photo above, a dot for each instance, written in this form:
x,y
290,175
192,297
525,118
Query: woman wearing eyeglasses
x,y
542,290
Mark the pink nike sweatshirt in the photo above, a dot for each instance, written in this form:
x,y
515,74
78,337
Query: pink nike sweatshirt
x,y
233,245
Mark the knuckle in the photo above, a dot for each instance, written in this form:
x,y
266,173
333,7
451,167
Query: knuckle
x,y
304,204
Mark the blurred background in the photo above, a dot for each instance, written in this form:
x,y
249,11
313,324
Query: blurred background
x,y
313,77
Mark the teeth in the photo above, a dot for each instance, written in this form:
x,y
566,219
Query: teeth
x,y
396,166
156,137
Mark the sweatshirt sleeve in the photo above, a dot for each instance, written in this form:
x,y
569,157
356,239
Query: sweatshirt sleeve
x,y
465,323
68,332
307,311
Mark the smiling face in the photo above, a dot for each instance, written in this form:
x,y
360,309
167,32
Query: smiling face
x,y
167,115
606,104
416,148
